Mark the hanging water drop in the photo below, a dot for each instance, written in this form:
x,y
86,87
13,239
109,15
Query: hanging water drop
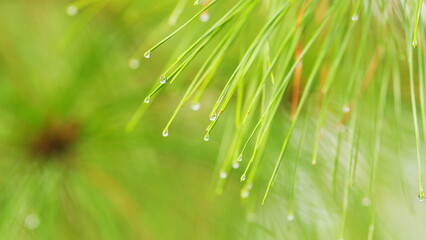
x,y
195,106
245,194
204,17
196,2
32,222
163,79
422,196
223,174
354,17
213,117
243,178
235,165
207,137
165,133
240,158
414,43
147,100
290,217
72,10
133,63
346,108
147,54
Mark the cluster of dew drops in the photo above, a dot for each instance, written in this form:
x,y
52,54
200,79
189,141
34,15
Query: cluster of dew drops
x,y
134,63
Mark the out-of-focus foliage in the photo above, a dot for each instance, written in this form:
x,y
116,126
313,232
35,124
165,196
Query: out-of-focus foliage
x,y
68,168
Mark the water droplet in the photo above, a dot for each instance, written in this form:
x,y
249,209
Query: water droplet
x,y
245,194
213,117
235,165
290,217
163,79
147,54
366,202
195,106
422,196
414,42
207,137
32,222
72,10
133,63
346,108
354,17
243,178
165,133
147,100
196,2
204,17
240,158
223,174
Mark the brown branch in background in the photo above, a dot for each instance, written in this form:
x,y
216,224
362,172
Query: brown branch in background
x,y
301,14
297,81
321,10
298,71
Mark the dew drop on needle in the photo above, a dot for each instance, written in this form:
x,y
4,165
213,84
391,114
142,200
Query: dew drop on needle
x,y
32,222
206,137
195,106
72,10
235,165
147,54
204,17
422,196
245,194
346,108
165,133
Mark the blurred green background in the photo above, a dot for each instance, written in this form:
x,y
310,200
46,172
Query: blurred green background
x,y
69,170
